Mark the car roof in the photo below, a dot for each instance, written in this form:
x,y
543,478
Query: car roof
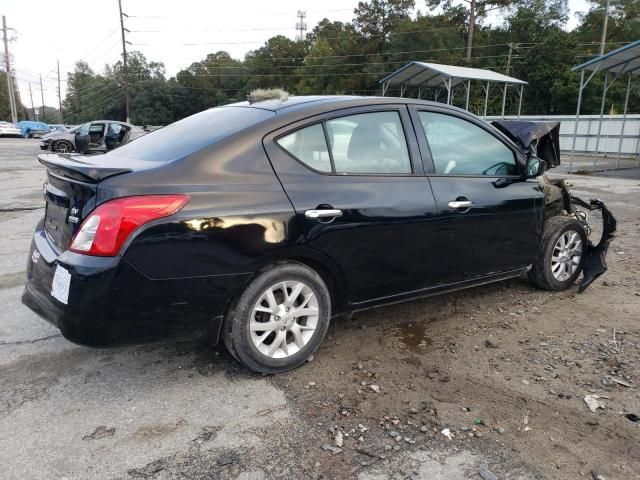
x,y
333,102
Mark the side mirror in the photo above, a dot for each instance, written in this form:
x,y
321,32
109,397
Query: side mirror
x,y
535,167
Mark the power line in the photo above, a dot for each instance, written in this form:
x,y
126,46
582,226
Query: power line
x,y
343,37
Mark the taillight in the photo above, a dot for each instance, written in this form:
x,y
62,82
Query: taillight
x,y
107,228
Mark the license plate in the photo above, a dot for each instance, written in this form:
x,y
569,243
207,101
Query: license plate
x,y
60,285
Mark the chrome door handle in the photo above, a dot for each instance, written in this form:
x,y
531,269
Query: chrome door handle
x,y
460,204
324,213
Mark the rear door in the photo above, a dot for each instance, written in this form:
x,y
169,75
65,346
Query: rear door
x,y
489,218
357,184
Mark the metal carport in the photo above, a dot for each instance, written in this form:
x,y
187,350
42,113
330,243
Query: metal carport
x,y
434,75
617,63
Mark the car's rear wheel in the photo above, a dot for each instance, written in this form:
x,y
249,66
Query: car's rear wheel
x,y
62,146
561,256
279,320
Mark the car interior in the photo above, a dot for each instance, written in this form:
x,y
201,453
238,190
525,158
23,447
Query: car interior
x,y
96,134
116,135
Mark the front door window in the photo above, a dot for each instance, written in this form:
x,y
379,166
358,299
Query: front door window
x,y
459,147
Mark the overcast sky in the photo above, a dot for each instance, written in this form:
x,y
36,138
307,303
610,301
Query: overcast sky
x,y
174,32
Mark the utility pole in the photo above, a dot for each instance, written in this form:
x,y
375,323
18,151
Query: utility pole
x,y
60,95
124,63
33,107
472,21
605,20
506,85
301,25
11,91
42,97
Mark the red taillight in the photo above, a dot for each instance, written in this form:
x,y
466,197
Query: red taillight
x,y
107,228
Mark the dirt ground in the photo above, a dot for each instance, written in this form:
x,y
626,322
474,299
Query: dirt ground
x,y
503,369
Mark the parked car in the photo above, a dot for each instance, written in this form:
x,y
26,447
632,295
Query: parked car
x,y
57,128
31,129
260,222
91,137
9,130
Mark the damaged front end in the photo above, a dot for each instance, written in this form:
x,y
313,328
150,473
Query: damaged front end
x,y
559,201
542,140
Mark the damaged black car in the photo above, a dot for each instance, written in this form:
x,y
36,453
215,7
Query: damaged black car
x,y
259,222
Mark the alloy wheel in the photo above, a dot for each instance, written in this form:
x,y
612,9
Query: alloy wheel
x,y
63,147
284,319
566,255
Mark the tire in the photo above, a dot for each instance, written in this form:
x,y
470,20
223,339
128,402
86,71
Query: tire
x,y
291,331
556,268
62,146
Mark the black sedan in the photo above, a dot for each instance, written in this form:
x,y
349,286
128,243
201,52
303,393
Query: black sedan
x,y
259,222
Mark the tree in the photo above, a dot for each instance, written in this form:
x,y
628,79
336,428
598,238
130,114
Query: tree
x,y
476,9
273,65
375,19
5,110
543,53
216,80
334,61
88,96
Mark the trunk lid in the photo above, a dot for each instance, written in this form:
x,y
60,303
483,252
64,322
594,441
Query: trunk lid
x,y
70,192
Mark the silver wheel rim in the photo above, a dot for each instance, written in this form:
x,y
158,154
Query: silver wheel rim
x,y
63,147
284,319
566,255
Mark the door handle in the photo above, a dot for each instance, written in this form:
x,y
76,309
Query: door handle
x,y
460,204
323,213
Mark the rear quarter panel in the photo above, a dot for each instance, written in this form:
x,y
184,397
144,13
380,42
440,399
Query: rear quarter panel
x,y
237,221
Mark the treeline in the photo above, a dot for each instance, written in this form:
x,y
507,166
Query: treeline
x,y
350,58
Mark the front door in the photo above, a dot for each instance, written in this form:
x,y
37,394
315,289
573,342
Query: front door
x,y
96,137
82,138
490,218
358,188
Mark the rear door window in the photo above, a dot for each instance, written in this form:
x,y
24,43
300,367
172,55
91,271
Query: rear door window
x,y
369,143
366,143
309,146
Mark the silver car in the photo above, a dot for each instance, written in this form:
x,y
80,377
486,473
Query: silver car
x,y
9,130
92,137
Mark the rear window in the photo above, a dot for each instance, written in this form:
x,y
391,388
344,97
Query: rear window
x,y
193,133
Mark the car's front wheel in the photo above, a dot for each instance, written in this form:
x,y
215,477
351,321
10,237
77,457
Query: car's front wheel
x,y
561,256
279,320
63,146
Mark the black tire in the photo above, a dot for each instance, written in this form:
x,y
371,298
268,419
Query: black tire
x,y
236,332
56,145
541,274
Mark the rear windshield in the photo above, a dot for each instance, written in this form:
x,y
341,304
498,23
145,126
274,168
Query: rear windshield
x,y
193,133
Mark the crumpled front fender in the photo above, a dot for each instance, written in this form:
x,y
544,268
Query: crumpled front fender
x,y
595,263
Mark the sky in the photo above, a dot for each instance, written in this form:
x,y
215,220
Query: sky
x,y
174,32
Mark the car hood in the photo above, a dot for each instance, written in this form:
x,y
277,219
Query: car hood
x,y
541,139
55,135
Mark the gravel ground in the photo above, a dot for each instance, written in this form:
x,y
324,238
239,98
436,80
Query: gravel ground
x,y
502,369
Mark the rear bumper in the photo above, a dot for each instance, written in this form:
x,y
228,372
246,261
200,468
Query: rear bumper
x,y
112,303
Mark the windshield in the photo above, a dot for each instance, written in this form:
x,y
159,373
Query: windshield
x,y
193,133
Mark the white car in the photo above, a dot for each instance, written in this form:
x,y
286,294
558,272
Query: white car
x,y
9,130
